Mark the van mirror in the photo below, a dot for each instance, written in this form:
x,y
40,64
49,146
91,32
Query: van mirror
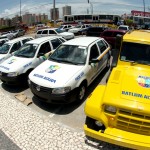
x,y
115,54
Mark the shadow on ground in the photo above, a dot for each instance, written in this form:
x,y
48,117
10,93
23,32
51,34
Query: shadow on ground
x,y
62,109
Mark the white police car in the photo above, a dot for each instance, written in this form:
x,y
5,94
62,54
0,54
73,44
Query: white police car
x,y
67,73
15,69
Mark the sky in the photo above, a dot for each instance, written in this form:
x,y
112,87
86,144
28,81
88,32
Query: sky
x,y
10,8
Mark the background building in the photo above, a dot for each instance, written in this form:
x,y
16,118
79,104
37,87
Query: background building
x,y
66,10
56,14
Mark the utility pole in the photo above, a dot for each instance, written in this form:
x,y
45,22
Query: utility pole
x,y
54,13
144,7
20,12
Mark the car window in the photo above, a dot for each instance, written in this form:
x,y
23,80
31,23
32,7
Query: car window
x,y
55,43
39,32
45,32
94,52
52,32
25,40
45,48
4,48
101,46
61,39
15,47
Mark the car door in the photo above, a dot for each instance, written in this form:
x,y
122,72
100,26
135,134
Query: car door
x,y
43,49
52,32
93,67
103,61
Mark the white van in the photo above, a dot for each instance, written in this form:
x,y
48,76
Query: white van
x,y
72,67
7,49
15,69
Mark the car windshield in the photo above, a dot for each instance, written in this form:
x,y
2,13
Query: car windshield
x,y
135,52
5,48
70,54
59,31
122,28
27,50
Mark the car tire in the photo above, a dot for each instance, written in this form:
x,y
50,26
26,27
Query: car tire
x,y
108,63
81,92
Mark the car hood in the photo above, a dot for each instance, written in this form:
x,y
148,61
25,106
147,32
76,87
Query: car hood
x,y
52,74
129,86
2,57
13,64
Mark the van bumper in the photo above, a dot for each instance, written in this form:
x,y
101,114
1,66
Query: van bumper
x,y
120,137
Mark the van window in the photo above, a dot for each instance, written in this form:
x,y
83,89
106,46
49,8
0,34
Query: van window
x,y
15,47
55,43
101,46
94,53
45,48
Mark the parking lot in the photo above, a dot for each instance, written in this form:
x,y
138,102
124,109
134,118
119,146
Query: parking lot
x,y
70,115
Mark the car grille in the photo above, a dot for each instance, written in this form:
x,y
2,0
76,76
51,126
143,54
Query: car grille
x,y
133,121
3,74
42,89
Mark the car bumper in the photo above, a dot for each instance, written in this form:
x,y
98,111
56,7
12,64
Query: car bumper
x,y
120,137
20,79
45,94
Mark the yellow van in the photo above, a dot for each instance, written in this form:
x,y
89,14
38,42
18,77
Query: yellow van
x,y
119,112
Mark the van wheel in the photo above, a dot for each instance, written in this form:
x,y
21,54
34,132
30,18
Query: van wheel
x,y
81,92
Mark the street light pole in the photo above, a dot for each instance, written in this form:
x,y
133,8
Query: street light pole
x,y
54,13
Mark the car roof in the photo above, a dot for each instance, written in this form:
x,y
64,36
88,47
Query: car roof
x,y
18,39
138,35
42,39
82,41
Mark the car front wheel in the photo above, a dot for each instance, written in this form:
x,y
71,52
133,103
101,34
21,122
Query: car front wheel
x,y
81,92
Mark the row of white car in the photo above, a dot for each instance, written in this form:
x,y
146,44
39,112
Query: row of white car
x,y
62,31
61,77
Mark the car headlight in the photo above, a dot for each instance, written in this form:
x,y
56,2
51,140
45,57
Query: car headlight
x,y
61,90
12,74
29,81
110,109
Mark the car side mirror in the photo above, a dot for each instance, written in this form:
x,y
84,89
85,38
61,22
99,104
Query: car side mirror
x,y
40,54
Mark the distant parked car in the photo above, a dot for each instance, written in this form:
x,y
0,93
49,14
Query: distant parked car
x,y
110,36
95,31
9,35
66,27
124,27
79,28
18,32
53,32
